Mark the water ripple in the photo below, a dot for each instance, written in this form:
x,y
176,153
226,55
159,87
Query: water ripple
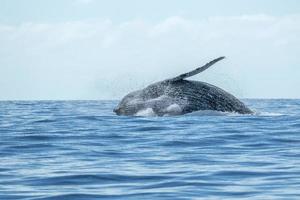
x,y
81,150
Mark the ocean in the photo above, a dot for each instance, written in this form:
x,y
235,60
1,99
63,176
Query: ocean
x,y
81,150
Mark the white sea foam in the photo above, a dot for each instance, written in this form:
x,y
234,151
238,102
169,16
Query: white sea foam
x,y
267,114
219,113
148,112
173,109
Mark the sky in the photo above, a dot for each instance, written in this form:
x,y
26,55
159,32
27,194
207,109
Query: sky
x,y
96,49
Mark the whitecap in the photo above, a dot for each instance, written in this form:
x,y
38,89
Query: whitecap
x,y
173,109
268,114
148,112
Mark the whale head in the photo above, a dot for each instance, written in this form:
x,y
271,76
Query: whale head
x,y
153,101
130,104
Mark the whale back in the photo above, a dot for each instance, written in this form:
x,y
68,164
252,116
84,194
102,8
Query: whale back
x,y
194,95
204,96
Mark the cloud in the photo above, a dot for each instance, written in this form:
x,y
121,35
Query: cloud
x,y
99,59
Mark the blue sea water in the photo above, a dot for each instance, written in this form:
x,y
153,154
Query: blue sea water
x,y
82,150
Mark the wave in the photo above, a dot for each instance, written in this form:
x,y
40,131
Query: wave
x,y
150,113
268,114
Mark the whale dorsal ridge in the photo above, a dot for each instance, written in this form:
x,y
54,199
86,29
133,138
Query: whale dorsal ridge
x,y
196,71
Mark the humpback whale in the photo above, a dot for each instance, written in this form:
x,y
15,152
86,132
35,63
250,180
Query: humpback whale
x,y
177,96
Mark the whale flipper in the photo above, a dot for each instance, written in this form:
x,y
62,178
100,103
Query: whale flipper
x,y
196,71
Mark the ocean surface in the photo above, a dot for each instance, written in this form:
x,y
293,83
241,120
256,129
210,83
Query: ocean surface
x,y
82,150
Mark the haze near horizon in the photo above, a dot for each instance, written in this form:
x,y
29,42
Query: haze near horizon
x,y
88,49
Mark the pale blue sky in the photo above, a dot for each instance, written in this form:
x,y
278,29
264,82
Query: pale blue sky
x,y
94,49
45,11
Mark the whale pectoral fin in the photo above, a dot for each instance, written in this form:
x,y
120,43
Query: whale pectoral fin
x,y
196,71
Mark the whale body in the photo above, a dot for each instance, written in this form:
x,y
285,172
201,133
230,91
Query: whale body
x,y
177,96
